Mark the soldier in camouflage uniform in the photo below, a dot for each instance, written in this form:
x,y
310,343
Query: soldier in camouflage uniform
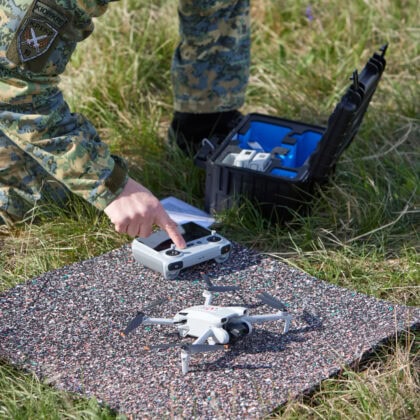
x,y
46,151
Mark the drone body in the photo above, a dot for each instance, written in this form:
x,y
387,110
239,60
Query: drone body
x,y
198,320
212,326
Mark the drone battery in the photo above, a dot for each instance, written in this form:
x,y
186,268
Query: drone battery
x,y
243,158
301,155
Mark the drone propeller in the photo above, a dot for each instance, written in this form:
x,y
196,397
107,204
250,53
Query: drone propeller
x,y
272,301
134,323
138,319
211,288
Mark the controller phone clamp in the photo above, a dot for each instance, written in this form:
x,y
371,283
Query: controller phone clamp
x,y
160,254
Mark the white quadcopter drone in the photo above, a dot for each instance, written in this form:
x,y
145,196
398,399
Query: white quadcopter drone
x,y
218,325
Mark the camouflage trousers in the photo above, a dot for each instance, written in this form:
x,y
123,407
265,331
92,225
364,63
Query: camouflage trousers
x,y
210,67
209,73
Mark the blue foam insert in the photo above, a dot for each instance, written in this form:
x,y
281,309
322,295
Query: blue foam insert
x,y
284,173
269,136
307,143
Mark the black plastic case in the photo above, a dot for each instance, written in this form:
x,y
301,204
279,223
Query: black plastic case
x,y
300,155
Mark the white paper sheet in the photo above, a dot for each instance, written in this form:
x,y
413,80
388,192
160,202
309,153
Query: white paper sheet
x,y
182,212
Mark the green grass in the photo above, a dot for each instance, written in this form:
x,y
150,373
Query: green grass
x,y
23,396
363,233
387,387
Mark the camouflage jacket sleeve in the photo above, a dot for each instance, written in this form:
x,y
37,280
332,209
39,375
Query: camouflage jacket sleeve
x,y
36,42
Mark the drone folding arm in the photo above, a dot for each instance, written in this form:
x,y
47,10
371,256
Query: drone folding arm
x,y
212,288
141,319
158,321
257,319
276,304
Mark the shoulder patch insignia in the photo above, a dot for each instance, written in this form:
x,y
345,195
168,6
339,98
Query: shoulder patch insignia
x,y
55,18
34,39
37,34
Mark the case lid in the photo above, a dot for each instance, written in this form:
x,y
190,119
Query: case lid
x,y
344,122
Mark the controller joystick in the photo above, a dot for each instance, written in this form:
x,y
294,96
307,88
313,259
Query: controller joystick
x,y
172,252
213,237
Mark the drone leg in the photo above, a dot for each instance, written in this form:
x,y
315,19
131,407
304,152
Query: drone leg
x,y
203,337
185,361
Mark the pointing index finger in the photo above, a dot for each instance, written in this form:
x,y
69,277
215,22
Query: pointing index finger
x,y
172,230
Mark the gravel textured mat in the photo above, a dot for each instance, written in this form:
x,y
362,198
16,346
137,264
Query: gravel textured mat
x,y
65,324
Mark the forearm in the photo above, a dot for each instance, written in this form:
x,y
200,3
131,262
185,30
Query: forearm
x,y
35,117
67,146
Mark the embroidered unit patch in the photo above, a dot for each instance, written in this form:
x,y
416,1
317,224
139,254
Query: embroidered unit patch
x,y
35,38
54,17
37,34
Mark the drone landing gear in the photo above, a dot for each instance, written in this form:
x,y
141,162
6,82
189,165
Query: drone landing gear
x,y
216,338
185,361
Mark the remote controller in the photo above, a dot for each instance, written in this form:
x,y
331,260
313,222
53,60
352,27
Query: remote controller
x,y
160,254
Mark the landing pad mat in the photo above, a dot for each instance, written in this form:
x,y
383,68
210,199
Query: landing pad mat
x,y
65,326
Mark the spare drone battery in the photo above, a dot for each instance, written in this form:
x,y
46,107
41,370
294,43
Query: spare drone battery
x,y
301,155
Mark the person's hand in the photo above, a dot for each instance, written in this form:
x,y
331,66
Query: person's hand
x,y
136,210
